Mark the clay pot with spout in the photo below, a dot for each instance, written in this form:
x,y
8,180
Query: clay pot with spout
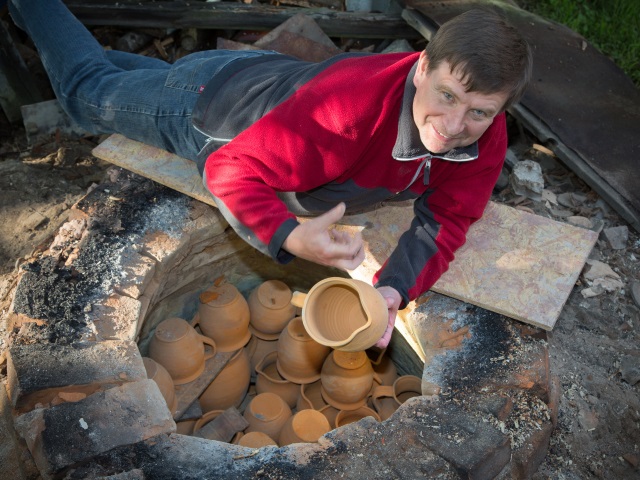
x,y
180,349
343,313
223,315
269,380
347,379
300,357
311,398
305,426
270,309
257,348
159,374
267,413
230,386
386,399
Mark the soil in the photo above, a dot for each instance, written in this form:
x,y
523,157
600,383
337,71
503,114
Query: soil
x,y
594,347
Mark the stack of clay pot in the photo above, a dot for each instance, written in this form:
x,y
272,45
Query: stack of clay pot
x,y
300,366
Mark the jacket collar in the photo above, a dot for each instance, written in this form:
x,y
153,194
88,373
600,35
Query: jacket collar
x,y
408,144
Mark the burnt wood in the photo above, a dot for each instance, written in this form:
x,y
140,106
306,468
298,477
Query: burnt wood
x,y
236,16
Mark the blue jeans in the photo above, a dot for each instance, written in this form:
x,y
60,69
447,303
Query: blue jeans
x,y
106,91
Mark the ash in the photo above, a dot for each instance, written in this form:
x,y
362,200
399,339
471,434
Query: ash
x,y
120,215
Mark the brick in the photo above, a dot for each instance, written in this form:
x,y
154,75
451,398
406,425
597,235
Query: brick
x,y
37,373
116,317
165,249
72,433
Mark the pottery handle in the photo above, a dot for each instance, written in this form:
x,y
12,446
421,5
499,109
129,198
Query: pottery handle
x,y
212,344
195,320
297,299
383,391
206,418
377,379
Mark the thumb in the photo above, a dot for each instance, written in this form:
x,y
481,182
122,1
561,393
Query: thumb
x,y
332,216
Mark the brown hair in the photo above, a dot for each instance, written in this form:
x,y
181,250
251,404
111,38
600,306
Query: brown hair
x,y
488,52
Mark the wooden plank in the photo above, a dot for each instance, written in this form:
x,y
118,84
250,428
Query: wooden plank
x,y
514,263
189,392
236,16
158,165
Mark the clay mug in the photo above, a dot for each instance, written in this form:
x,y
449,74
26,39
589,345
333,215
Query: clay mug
x,y
270,309
159,374
310,396
179,348
343,313
223,315
269,380
229,388
267,413
305,426
255,440
384,367
257,348
346,417
387,399
300,357
347,379
206,418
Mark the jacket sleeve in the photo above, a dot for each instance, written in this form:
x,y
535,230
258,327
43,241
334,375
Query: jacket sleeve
x,y
442,218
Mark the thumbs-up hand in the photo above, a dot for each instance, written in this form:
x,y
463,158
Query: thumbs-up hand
x,y
317,241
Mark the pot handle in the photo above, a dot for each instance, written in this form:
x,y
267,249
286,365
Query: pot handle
x,y
206,418
195,321
297,299
383,391
212,344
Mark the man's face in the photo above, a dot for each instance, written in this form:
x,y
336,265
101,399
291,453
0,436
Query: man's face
x,y
446,115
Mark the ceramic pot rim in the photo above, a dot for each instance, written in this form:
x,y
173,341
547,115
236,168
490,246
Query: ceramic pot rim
x,y
185,330
235,345
294,378
262,335
342,405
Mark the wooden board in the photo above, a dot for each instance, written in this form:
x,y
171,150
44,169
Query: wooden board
x,y
159,165
514,263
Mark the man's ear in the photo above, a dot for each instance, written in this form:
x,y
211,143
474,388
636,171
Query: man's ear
x,y
421,69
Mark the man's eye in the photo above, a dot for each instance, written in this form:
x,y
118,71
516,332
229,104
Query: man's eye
x,y
447,96
479,113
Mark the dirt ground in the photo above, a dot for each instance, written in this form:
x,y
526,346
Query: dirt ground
x,y
594,347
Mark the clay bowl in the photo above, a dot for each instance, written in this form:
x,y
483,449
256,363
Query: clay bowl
x,y
344,314
267,413
305,426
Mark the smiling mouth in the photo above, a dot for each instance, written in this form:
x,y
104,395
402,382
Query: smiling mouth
x,y
446,137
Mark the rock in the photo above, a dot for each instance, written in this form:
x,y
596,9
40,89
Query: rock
x,y
400,45
617,237
549,196
630,369
632,459
526,179
596,269
592,291
635,293
503,179
571,199
580,222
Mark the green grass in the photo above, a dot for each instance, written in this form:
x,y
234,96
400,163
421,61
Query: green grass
x,y
612,26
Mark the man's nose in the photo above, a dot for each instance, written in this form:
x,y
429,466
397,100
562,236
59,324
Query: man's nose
x,y
454,122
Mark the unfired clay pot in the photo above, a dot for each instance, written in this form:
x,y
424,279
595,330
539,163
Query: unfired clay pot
x,y
300,357
223,315
387,399
159,374
270,309
230,386
206,418
310,396
267,413
343,313
179,348
304,426
269,380
257,348
346,417
347,379
256,440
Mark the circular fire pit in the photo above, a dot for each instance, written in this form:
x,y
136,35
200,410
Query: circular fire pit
x,y
136,253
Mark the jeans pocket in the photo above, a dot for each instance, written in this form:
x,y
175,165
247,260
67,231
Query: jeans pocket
x,y
193,72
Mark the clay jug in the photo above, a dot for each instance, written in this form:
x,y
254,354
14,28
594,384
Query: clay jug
x,y
257,348
159,374
387,399
300,357
270,309
267,413
255,440
230,386
346,417
305,426
269,380
179,348
343,313
347,379
223,315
